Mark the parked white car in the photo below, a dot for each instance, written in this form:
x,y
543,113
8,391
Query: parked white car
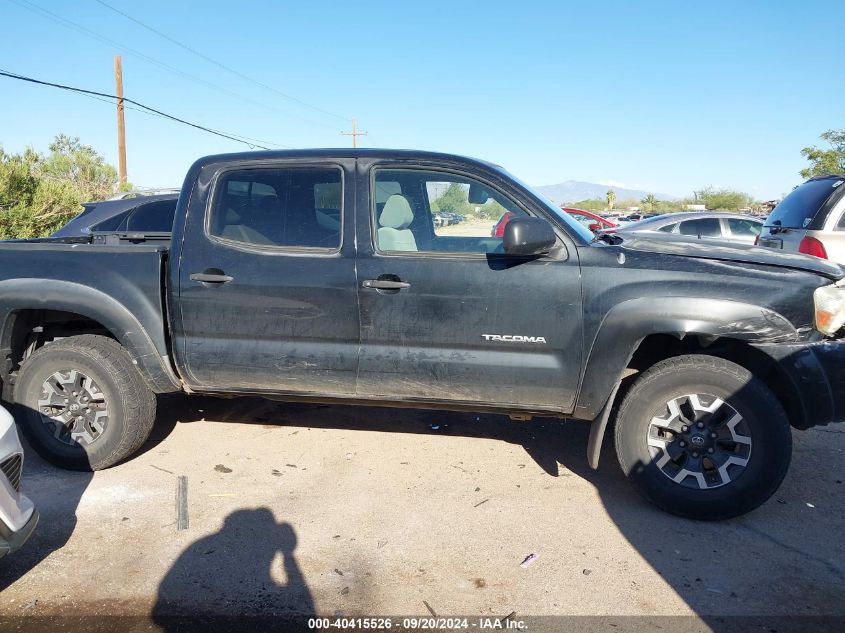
x,y
733,227
810,220
18,515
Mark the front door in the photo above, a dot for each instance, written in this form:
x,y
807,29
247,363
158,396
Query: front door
x,y
445,315
267,287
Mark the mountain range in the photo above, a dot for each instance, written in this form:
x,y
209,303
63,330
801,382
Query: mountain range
x,y
574,190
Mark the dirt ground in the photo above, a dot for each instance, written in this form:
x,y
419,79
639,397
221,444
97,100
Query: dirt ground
x,y
467,228
350,511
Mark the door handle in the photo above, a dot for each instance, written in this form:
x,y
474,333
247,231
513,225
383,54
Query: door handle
x,y
211,276
385,284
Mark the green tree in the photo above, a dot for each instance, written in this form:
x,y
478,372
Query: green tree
x,y
723,199
611,198
39,193
453,200
826,161
592,204
650,201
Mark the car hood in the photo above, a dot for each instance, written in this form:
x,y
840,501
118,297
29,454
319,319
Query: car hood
x,y
729,251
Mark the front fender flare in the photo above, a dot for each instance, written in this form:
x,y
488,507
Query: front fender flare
x,y
626,325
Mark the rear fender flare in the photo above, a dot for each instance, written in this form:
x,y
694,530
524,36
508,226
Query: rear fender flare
x,y
52,294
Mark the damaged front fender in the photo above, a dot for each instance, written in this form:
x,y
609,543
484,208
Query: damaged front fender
x,y
629,322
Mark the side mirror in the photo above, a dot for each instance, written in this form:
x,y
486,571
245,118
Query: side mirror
x,y
595,227
528,236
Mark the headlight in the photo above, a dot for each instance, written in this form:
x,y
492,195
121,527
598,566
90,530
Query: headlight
x,y
830,309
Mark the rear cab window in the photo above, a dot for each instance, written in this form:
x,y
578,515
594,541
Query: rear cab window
x,y
278,207
804,205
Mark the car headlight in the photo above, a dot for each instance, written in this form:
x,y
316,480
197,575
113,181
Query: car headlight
x,y
830,308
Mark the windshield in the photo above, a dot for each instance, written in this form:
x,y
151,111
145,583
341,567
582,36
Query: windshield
x,y
798,209
565,219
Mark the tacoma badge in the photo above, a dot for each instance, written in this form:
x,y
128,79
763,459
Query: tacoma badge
x,y
514,338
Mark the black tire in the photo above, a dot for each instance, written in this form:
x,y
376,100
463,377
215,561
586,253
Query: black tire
x,y
127,410
764,442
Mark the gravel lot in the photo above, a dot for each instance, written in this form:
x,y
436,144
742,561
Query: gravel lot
x,y
368,511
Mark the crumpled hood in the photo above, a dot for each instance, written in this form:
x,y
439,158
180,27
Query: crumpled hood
x,y
728,251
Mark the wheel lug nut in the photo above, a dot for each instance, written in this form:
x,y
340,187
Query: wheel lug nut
x,y
682,444
695,453
699,425
685,429
46,409
713,435
710,450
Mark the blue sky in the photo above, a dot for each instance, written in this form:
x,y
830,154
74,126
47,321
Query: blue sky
x,y
666,96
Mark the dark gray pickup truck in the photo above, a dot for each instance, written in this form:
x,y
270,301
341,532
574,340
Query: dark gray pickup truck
x,y
320,275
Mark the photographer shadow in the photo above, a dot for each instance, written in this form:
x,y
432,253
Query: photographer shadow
x,y
248,568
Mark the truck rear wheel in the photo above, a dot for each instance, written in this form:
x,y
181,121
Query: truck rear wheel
x,y
703,438
82,403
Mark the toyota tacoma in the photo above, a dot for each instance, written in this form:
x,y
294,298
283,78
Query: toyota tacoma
x,y
320,275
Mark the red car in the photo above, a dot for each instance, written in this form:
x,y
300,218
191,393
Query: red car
x,y
499,229
588,219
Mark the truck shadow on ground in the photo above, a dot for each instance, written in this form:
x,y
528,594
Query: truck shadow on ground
x,y
773,561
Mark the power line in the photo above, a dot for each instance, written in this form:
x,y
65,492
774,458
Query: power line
x,y
218,63
232,137
45,13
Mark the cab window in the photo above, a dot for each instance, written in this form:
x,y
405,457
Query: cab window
x,y
278,207
434,211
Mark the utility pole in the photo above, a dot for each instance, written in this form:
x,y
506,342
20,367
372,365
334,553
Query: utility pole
x,y
354,133
121,129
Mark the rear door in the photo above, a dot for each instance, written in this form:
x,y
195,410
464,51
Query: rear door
x,y
445,315
267,289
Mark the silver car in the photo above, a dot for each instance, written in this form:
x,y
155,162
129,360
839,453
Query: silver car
x,y
18,515
702,224
811,220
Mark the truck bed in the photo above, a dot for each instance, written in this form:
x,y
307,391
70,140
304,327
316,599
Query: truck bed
x,y
112,272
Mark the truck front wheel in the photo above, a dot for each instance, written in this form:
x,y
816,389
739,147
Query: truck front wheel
x,y
82,403
703,438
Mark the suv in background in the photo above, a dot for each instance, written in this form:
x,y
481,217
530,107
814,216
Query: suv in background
x,y
141,214
811,220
